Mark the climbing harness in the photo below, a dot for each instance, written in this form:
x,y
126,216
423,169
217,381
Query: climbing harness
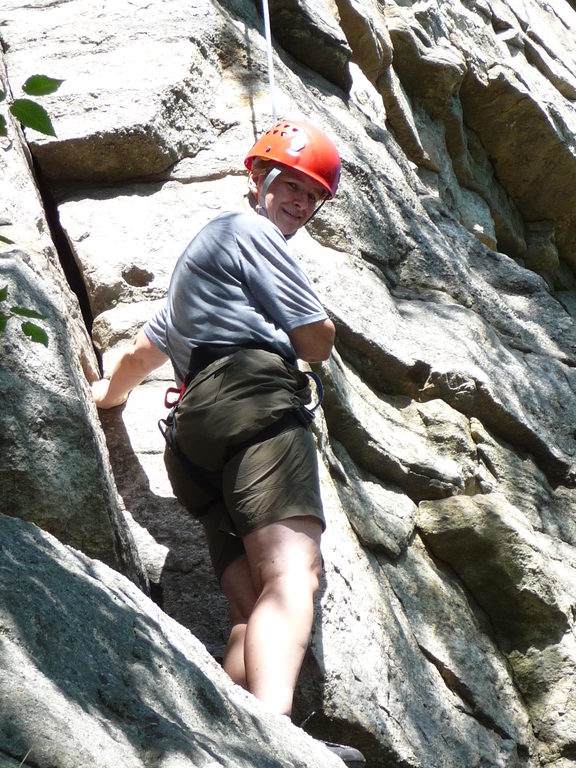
x,y
295,417
202,357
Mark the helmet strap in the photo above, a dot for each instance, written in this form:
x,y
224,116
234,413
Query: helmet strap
x,y
272,174
309,219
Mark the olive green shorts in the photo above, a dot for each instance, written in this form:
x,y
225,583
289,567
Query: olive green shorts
x,y
239,483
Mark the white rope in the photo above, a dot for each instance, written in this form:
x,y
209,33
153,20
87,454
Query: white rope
x,y
266,13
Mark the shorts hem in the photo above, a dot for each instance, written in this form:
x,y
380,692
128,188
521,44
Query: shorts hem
x,y
287,514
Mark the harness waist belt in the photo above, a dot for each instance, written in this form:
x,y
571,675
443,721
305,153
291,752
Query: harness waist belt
x,y
201,357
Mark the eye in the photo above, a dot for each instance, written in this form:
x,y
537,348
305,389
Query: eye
x,y
318,196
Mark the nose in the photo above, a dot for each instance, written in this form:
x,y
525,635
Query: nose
x,y
301,198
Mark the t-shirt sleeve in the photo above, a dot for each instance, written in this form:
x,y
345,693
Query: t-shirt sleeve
x,y
275,279
155,329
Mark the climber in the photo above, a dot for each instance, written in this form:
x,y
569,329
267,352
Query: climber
x,y
239,455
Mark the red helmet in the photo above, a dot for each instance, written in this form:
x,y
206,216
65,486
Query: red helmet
x,y
303,147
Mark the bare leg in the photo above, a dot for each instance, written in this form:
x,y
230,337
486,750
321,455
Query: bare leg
x,y
286,563
239,589
270,632
271,592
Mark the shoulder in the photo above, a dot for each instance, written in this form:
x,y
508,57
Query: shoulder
x,y
221,234
259,239
248,225
244,235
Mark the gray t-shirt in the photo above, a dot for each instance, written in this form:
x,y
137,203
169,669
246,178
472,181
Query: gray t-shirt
x,y
235,284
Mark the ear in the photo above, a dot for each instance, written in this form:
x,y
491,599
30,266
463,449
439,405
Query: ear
x,y
253,185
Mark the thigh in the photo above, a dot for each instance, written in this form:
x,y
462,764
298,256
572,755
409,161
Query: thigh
x,y
238,587
274,480
287,549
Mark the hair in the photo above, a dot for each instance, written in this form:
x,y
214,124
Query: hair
x,y
260,167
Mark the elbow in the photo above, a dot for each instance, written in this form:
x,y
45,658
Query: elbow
x,y
314,343
321,353
326,341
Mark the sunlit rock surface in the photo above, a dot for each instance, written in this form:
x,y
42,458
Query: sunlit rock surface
x,y
445,623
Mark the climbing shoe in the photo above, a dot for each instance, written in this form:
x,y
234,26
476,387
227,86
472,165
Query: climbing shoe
x,y
349,755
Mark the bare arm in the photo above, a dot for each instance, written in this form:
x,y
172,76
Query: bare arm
x,y
135,363
313,342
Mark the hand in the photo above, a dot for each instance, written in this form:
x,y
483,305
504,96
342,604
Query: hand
x,y
100,393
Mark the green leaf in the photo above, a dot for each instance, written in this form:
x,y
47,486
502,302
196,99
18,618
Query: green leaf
x,y
32,115
3,128
3,321
41,85
23,312
2,95
6,240
4,293
35,333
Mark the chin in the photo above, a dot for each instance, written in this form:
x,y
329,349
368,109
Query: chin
x,y
292,227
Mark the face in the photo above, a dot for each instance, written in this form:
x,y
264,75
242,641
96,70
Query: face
x,y
290,200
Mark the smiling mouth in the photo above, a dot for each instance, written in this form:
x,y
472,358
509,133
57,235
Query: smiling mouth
x,y
295,216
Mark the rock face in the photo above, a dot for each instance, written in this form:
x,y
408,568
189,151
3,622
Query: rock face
x,y
135,690
445,624
53,468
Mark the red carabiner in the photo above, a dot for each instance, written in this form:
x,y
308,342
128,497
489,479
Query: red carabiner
x,y
174,391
